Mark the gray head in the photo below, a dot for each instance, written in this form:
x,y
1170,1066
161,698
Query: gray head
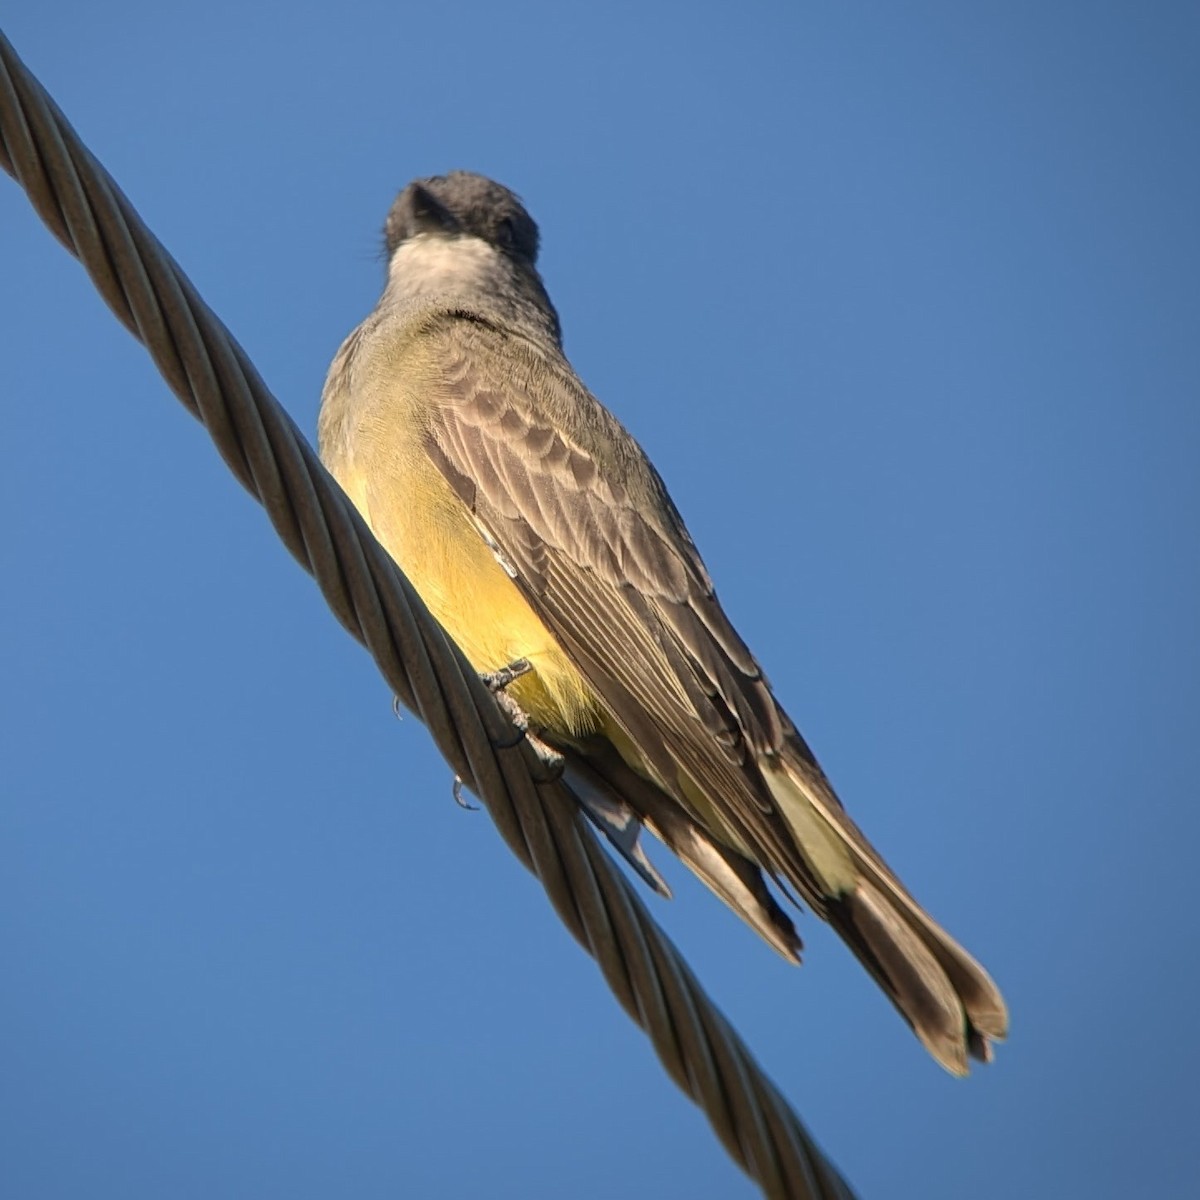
x,y
462,236
463,204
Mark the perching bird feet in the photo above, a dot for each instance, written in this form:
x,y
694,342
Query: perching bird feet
x,y
497,682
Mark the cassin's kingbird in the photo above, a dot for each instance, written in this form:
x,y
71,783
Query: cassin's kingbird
x,y
538,533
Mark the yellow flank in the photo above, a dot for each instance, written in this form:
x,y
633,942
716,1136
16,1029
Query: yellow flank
x,y
432,536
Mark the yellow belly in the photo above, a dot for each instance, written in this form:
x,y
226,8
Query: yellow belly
x,y
432,537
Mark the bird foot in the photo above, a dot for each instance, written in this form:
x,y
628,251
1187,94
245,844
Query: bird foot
x,y
497,681
517,715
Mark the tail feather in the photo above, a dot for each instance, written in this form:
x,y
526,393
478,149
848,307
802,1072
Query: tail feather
x,y
604,780
732,878
907,971
950,1001
947,998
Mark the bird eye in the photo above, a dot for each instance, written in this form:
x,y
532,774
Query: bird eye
x,y
506,233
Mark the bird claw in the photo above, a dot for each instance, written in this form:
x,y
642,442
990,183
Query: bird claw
x,y
497,681
548,755
516,714
459,797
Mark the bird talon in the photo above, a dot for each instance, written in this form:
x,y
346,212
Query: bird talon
x,y
459,798
549,757
515,713
497,681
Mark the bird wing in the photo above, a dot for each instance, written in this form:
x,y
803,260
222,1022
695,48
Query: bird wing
x,y
584,524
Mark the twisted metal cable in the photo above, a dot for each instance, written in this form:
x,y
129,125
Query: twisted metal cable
x,y
535,812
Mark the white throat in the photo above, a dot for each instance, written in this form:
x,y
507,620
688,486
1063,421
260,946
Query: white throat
x,y
427,265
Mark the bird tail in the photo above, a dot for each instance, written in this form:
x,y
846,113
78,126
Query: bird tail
x,y
620,802
949,1000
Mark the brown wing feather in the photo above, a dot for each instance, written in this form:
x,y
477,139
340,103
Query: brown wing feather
x,y
603,557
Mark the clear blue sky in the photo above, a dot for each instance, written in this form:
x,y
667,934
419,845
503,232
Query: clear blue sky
x,y
903,301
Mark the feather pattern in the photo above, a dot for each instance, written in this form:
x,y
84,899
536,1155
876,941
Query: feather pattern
x,y
534,526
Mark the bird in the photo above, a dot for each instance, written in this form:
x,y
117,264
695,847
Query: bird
x,y
540,536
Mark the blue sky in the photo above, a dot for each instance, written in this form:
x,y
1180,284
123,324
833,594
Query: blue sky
x,y
903,302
